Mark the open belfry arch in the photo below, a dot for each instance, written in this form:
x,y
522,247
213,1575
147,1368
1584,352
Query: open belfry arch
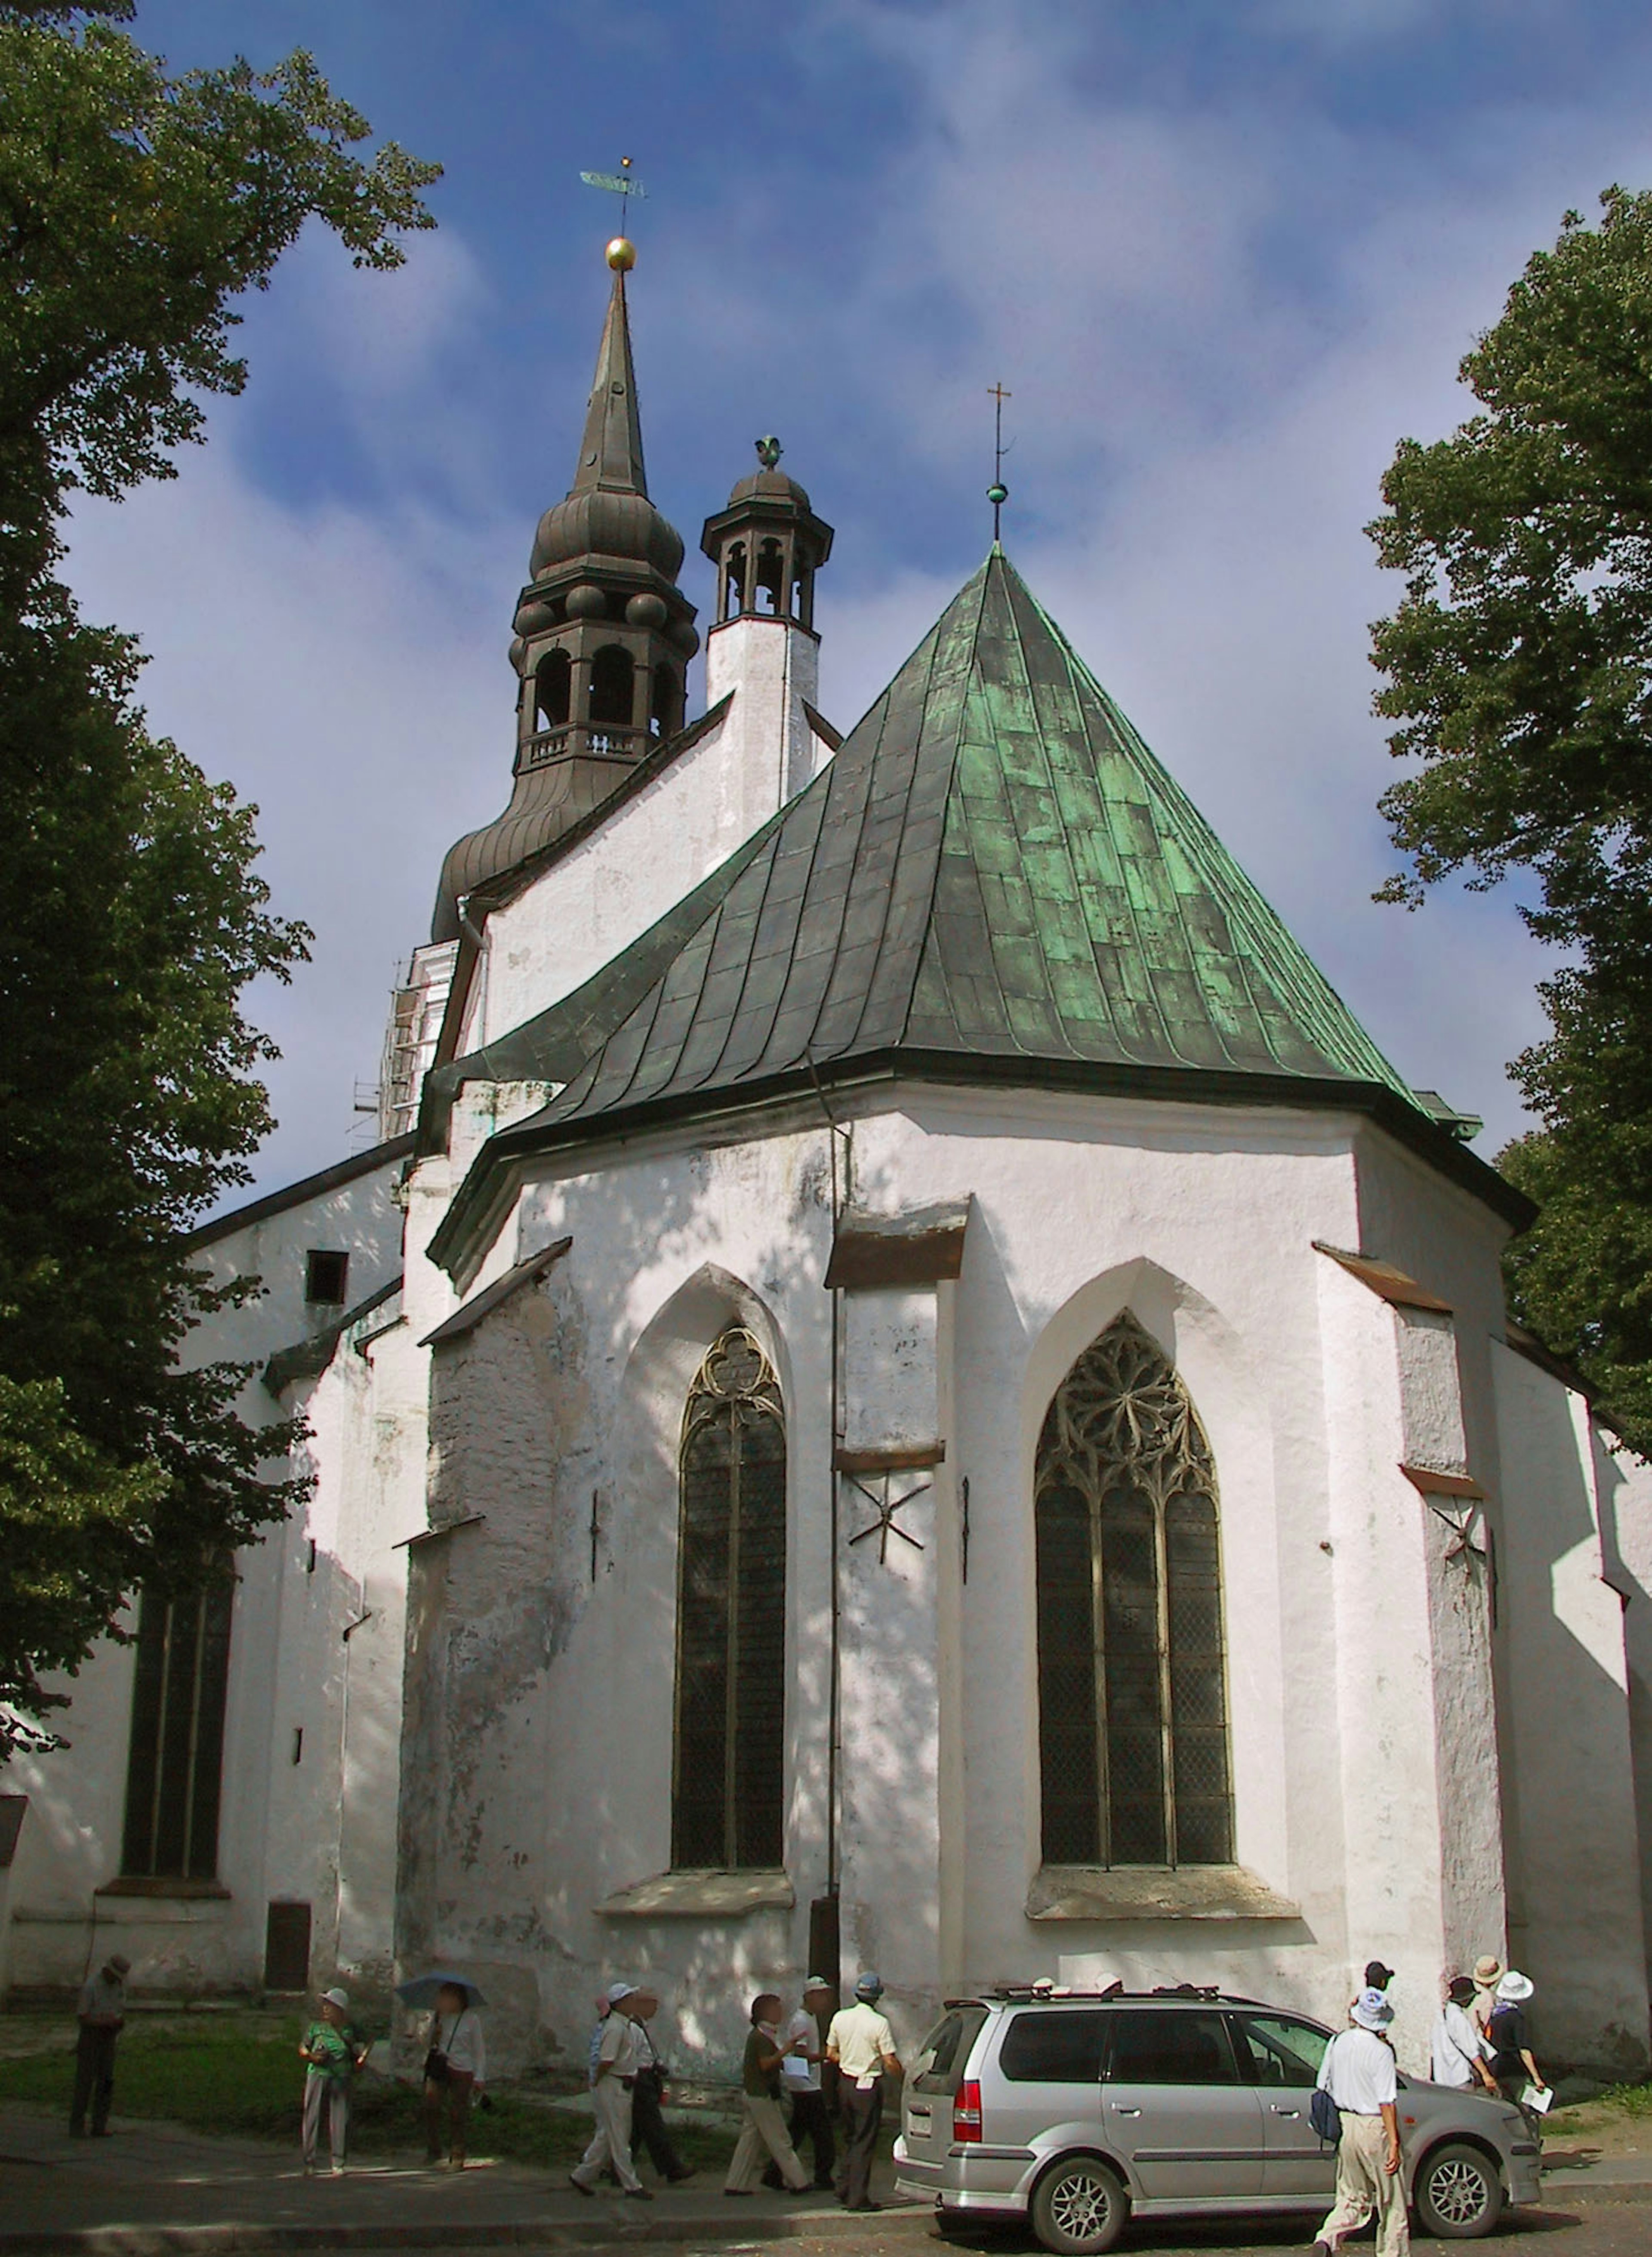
x,y
905,1383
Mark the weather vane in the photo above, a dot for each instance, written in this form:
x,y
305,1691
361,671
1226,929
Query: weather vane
x,y
997,493
622,251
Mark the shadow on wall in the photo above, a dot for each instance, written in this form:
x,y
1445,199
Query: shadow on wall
x,y
1574,1895
562,1407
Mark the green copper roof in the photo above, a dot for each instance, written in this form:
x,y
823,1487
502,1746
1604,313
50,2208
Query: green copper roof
x,y
993,865
993,880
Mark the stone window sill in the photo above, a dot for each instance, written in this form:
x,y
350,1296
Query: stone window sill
x,y
143,1885
720,1895
1154,1892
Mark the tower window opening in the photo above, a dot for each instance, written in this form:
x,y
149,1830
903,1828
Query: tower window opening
x,y
734,581
771,579
552,689
664,714
611,684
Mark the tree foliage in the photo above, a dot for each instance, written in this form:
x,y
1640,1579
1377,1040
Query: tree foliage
x,y
134,207
1519,671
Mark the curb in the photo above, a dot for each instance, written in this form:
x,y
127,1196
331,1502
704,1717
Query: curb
x,y
539,2232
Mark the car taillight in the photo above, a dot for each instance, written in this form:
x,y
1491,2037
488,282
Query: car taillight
x,y
966,2115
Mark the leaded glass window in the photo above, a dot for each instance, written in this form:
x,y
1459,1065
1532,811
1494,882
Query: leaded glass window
x,y
1131,1676
730,1709
175,1756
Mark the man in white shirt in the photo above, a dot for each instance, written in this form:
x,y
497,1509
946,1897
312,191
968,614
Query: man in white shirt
x,y
618,2057
1358,2073
101,2013
800,2072
863,2045
1459,2052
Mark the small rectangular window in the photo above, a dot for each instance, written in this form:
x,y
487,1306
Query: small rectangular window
x,y
1168,2045
326,1276
1059,2047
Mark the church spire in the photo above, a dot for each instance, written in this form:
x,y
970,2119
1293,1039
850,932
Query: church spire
x,y
603,634
611,452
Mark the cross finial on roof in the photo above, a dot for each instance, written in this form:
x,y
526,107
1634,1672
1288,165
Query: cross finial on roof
x,y
997,493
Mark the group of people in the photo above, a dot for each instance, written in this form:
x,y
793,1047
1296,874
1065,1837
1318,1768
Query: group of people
x,y
454,2073
1480,2036
831,2066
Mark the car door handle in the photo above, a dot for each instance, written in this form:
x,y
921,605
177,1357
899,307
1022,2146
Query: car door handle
x,y
1118,2111
1278,2110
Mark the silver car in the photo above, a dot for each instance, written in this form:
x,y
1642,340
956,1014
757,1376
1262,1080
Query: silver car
x,y
1075,2110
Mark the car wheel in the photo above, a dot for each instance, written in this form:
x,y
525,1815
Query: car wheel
x,y
1080,2207
1458,2192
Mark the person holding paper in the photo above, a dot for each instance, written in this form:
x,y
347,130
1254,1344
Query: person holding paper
x,y
765,2126
801,2074
1512,2063
862,2043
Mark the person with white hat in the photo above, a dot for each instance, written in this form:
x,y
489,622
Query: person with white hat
x,y
1512,2063
863,2045
618,2058
1360,2074
101,2012
801,2073
332,2052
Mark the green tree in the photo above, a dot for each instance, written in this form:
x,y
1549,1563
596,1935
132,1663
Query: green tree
x,y
1519,671
135,207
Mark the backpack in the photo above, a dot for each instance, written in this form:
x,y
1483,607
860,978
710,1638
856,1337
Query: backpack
x,y
1325,2117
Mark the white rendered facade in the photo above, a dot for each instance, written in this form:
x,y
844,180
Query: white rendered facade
x,y
450,1727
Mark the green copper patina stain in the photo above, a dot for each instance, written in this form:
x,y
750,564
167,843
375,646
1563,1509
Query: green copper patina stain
x,y
993,865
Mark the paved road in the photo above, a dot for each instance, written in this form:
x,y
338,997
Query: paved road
x,y
1597,2230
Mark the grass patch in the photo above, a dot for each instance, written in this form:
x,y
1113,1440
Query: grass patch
x,y
239,2076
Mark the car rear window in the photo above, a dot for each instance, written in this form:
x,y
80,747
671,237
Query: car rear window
x,y
1170,2046
939,2067
1057,2046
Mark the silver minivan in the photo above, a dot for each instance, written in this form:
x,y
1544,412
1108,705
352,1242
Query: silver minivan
x,y
1075,2110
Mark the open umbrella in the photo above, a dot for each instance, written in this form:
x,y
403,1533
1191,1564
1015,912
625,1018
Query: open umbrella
x,y
421,1990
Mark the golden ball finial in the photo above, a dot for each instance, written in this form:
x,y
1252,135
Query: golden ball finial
x,y
621,254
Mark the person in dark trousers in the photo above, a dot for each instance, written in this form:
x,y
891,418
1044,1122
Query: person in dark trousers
x,y
863,2045
811,2118
647,2125
100,2011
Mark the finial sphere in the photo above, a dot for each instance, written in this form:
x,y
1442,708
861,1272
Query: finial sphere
x,y
621,254
998,495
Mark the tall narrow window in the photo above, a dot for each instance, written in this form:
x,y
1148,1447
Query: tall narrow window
x,y
731,1718
1132,1677
176,1757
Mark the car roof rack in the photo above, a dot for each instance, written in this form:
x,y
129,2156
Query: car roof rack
x,y
1061,1993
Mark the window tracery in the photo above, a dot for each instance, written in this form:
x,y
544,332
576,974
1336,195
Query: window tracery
x,y
1132,1703
728,1771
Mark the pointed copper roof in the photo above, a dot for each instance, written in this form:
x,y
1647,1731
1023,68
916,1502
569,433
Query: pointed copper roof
x,y
611,452
606,512
993,879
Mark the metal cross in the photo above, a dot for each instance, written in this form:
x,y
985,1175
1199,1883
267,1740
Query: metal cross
x,y
620,184
997,493
885,1524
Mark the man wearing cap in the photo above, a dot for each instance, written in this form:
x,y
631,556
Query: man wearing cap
x,y
618,2058
332,2052
1378,1977
863,2045
810,2115
1358,2073
647,2123
1459,2051
100,2011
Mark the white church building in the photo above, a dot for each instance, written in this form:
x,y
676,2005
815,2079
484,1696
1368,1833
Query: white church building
x,y
905,1385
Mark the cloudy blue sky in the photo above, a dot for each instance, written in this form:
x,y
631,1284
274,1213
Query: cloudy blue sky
x,y
1222,252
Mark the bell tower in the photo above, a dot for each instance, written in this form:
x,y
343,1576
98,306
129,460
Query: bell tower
x,y
767,545
603,634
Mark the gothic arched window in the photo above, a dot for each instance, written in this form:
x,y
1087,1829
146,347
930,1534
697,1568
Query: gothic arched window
x,y
1132,1679
729,1772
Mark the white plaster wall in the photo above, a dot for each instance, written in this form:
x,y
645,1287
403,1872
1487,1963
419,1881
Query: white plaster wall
x,y
283,1676
1575,1881
1202,1222
1623,1483
657,847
